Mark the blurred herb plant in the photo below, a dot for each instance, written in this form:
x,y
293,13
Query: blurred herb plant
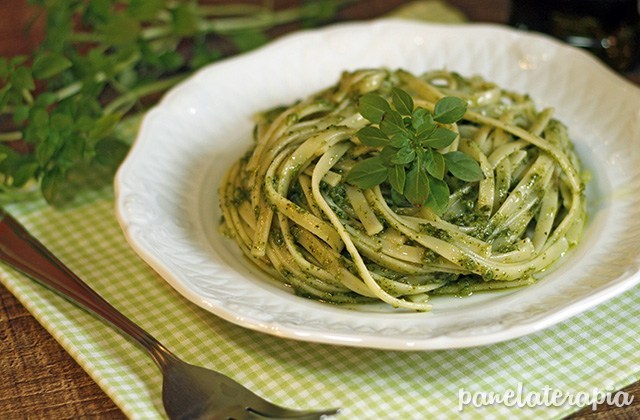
x,y
65,109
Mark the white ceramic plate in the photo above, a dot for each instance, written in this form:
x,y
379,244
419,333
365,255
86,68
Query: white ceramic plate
x,y
167,187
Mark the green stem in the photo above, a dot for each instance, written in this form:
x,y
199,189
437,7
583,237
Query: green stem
x,y
89,37
222,19
26,95
259,18
127,99
263,18
155,32
239,17
69,91
259,21
10,136
7,110
76,87
230,9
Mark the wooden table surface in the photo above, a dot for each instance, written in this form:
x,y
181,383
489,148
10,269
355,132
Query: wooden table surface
x,y
38,379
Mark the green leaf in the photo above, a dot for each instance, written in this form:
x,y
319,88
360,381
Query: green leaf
x,y
45,99
5,95
435,164
47,148
38,123
13,164
110,153
170,61
71,153
97,11
21,78
399,199
449,110
438,199
422,120
368,173
249,39
393,124
95,61
372,136
402,101
463,166
317,12
387,153
84,123
5,153
403,156
52,185
20,114
49,64
440,137
416,188
17,61
61,122
185,20
121,29
400,140
145,9
372,107
103,126
24,173
203,53
397,178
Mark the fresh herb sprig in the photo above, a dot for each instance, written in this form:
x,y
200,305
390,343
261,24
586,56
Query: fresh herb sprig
x,y
412,141
68,109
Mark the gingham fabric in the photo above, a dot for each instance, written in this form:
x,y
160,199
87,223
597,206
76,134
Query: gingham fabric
x,y
595,350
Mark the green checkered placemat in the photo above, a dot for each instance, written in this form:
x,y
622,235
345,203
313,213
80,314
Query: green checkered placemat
x,y
552,373
595,350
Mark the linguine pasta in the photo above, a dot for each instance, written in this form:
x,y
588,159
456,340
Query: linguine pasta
x,y
288,205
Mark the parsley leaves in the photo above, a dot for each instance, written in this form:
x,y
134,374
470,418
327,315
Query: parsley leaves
x,y
411,140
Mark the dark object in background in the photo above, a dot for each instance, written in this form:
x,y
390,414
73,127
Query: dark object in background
x,y
610,29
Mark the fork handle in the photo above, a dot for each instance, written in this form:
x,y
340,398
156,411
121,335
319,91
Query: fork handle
x,y
19,249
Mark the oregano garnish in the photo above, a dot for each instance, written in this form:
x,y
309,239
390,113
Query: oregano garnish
x,y
411,142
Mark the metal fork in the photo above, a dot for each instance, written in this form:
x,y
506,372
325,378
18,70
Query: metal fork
x,y
188,391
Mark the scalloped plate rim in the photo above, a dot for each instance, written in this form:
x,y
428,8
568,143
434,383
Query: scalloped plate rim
x,y
442,341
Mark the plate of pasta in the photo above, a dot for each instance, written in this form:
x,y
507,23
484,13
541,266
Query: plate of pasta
x,y
393,185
